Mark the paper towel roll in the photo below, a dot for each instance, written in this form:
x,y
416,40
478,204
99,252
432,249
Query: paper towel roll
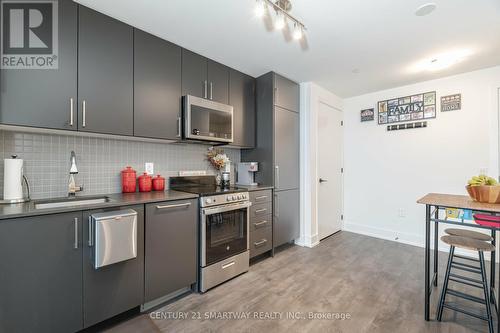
x,y
13,179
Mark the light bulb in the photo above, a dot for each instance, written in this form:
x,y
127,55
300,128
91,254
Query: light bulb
x,y
280,21
297,32
260,8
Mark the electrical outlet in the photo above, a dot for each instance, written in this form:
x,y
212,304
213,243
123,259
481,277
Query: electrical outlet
x,y
149,167
401,212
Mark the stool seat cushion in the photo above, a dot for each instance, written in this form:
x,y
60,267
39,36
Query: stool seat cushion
x,y
469,234
468,243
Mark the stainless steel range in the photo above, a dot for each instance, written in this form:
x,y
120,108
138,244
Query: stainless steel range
x,y
224,229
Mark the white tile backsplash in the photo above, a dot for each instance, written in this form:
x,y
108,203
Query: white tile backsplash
x,y
99,160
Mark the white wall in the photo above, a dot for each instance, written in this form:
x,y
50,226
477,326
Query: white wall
x,y
386,171
311,95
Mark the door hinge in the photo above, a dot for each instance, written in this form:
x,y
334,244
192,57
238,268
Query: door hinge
x,y
341,123
342,217
341,170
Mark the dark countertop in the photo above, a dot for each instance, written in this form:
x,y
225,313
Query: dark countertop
x,y
256,187
117,199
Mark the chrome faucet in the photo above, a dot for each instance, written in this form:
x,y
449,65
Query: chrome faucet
x,y
73,170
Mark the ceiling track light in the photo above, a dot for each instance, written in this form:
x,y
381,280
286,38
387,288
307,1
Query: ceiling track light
x,y
282,9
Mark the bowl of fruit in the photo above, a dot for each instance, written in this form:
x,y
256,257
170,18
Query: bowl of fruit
x,y
484,189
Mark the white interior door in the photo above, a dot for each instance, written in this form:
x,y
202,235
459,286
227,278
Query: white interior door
x,y
329,170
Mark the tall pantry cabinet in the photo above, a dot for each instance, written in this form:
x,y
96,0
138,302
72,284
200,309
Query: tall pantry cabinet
x,y
277,150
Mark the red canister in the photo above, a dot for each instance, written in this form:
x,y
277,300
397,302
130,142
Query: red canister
x,y
145,183
128,180
158,183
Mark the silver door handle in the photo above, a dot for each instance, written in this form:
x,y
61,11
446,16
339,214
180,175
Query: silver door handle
x,y
205,89
84,113
276,206
262,242
321,180
261,197
187,204
91,232
228,265
178,127
71,111
277,175
260,210
76,233
258,224
211,90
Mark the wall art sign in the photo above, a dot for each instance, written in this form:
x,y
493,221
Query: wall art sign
x,y
408,108
367,115
451,102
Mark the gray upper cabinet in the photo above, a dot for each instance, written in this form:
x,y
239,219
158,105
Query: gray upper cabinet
x,y
286,154
242,98
105,74
45,97
204,78
171,247
41,274
157,87
111,290
286,93
218,82
194,74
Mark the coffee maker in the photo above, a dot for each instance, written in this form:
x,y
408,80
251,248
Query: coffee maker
x,y
246,173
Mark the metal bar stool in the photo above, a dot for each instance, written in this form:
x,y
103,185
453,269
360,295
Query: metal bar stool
x,y
474,245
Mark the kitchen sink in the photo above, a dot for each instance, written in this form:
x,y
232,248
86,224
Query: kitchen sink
x,y
70,202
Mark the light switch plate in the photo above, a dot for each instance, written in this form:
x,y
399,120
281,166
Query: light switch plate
x,y
149,167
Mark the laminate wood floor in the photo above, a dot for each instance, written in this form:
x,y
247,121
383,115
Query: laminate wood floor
x,y
378,283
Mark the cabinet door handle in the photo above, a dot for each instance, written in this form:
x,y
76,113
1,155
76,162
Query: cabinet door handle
x,y
76,233
205,89
260,210
228,265
71,111
211,90
262,242
187,204
91,232
276,206
178,127
84,113
258,224
277,175
261,197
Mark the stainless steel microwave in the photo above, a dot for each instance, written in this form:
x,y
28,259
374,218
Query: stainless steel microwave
x,y
206,120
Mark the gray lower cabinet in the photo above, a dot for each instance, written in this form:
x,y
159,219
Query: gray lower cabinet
x,y
157,87
286,216
286,93
194,74
171,247
218,82
261,222
242,98
41,274
105,74
286,154
113,289
45,97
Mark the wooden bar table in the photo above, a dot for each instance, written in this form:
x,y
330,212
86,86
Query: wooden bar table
x,y
435,202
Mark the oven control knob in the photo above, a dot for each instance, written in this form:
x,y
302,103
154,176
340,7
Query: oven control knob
x,y
240,197
228,198
208,201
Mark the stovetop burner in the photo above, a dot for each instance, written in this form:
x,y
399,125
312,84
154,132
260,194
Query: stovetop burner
x,y
202,185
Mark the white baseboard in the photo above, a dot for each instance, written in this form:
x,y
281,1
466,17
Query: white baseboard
x,y
402,237
307,241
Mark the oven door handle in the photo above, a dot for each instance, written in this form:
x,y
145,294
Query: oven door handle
x,y
225,208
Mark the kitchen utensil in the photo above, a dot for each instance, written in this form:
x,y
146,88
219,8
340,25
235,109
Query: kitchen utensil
x,y
145,183
129,180
158,183
484,193
13,181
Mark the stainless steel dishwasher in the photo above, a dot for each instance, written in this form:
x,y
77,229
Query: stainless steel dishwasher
x,y
113,236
